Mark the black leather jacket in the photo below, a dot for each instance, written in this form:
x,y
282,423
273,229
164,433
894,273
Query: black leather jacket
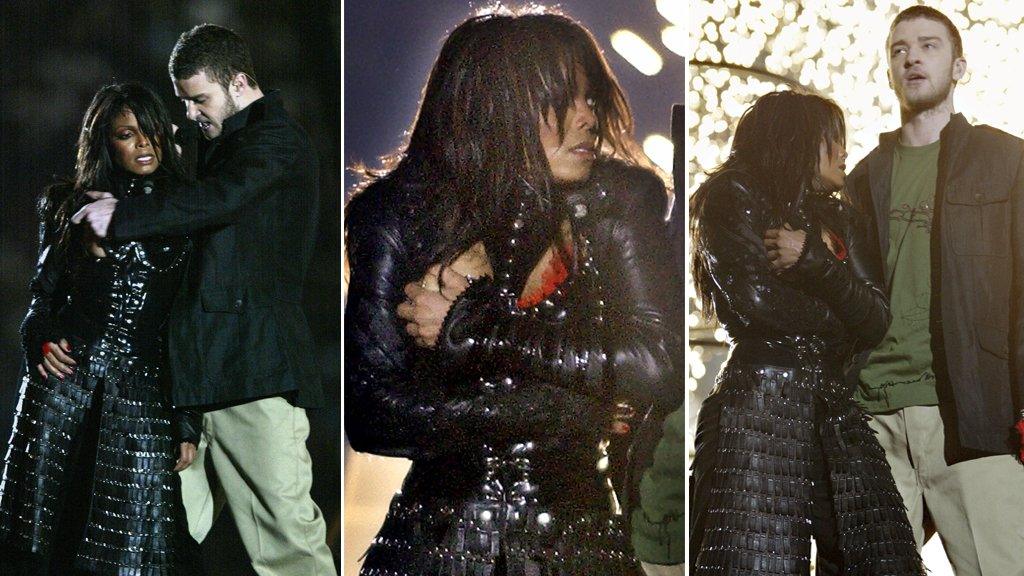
x,y
117,305
503,380
822,305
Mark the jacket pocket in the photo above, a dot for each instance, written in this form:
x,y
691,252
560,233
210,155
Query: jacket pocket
x,y
240,333
993,340
978,220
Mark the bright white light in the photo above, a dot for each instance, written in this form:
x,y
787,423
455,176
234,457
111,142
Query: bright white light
x,y
674,38
637,52
659,149
673,10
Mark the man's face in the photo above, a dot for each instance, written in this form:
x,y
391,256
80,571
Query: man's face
x,y
206,103
922,68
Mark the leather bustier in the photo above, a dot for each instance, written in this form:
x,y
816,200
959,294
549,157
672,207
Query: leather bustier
x,y
118,302
114,308
121,301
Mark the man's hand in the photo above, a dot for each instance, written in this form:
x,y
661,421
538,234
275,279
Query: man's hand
x,y
427,304
56,360
98,213
186,454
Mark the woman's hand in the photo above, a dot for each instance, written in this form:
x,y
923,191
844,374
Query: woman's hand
x,y
784,246
186,454
56,360
427,302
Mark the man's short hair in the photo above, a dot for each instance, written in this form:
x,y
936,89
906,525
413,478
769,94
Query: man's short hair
x,y
219,52
930,13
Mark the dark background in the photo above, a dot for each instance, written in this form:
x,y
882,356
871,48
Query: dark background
x,y
55,55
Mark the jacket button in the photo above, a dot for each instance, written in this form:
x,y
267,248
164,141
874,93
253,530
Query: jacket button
x,y
238,304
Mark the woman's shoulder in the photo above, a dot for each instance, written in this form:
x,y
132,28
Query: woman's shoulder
x,y
630,187
385,201
53,197
834,209
731,190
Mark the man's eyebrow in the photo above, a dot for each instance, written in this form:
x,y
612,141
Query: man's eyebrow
x,y
919,39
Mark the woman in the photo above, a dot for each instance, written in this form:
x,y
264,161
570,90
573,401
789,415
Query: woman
x,y
782,451
90,474
521,173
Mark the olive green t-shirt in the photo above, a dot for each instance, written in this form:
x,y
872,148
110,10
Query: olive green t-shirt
x,y
899,371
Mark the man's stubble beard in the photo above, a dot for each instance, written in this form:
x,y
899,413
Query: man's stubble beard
x,y
229,109
928,101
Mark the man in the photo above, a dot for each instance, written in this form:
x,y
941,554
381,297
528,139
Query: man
x,y
240,346
946,385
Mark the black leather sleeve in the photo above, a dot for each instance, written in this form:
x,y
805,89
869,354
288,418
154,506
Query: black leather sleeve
x,y
731,221
852,289
393,408
46,287
188,425
630,348
262,161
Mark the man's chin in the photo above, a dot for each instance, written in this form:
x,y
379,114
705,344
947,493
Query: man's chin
x,y
921,102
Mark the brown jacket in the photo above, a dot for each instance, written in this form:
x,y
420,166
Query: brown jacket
x,y
977,303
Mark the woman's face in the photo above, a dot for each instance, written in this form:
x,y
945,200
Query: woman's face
x,y
831,167
571,157
133,150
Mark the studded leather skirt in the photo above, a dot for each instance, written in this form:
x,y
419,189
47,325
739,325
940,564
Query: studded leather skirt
x,y
502,519
133,505
780,459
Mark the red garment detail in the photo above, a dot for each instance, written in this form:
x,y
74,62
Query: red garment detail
x,y
839,245
550,279
1020,430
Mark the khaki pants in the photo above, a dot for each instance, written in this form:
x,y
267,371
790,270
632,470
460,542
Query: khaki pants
x,y
662,569
977,506
253,457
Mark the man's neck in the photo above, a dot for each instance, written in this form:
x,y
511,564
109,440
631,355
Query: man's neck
x,y
923,127
248,97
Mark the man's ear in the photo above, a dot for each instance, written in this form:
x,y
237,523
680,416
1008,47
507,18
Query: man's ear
x,y
959,68
239,83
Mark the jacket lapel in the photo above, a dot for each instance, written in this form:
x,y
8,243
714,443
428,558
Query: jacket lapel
x,y
880,180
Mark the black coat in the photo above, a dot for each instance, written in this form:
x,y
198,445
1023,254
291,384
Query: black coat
x,y
100,444
238,331
781,450
977,255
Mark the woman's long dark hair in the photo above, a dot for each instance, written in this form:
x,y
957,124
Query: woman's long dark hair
x,y
476,135
95,167
777,142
